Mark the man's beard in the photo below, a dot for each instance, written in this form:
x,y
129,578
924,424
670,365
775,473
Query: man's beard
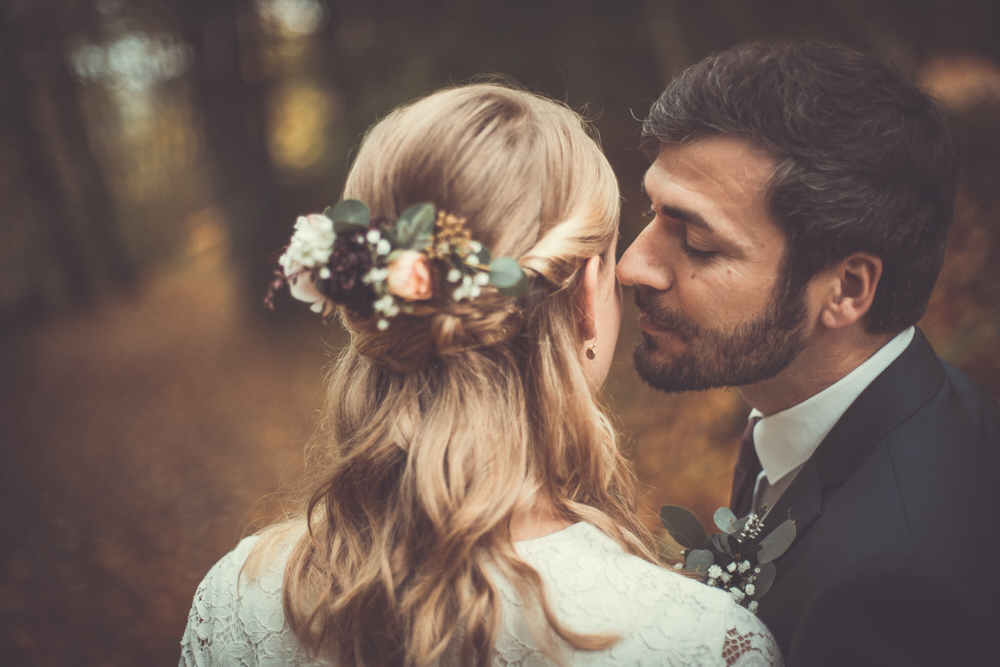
x,y
752,351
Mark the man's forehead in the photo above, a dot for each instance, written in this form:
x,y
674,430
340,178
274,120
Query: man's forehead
x,y
734,162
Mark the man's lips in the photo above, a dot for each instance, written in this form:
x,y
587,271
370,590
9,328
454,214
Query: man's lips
x,y
657,321
651,326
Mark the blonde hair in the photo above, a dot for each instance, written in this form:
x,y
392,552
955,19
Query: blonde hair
x,y
442,428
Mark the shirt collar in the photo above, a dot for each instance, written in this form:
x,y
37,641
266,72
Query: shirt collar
x,y
785,440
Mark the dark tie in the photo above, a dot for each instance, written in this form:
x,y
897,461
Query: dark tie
x,y
745,473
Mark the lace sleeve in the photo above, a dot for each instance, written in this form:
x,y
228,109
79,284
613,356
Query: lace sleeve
x,y
748,643
235,622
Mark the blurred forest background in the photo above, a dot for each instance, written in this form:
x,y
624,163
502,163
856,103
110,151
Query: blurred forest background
x,y
154,152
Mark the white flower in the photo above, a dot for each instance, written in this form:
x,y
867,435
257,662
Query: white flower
x,y
454,276
383,247
311,243
714,571
744,566
374,236
472,259
752,606
383,324
750,588
678,566
384,304
737,594
476,246
726,577
375,275
731,567
302,287
482,278
309,248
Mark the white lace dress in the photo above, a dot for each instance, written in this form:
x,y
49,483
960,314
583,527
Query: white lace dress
x,y
594,586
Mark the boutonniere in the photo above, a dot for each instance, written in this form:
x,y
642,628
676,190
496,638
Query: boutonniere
x,y
737,560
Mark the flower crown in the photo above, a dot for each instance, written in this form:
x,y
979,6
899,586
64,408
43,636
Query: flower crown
x,y
373,267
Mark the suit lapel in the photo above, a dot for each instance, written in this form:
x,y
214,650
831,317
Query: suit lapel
x,y
893,397
801,501
899,391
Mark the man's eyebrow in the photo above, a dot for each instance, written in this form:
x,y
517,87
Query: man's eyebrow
x,y
685,216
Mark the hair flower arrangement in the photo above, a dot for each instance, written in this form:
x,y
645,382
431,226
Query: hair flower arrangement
x,y
737,560
373,267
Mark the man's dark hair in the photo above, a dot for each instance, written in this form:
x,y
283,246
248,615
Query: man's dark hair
x,y
866,161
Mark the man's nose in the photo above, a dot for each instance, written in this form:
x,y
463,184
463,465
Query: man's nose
x,y
645,263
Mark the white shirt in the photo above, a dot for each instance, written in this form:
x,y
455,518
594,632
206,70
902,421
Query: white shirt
x,y
785,440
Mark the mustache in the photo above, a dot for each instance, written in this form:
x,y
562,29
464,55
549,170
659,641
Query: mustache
x,y
668,318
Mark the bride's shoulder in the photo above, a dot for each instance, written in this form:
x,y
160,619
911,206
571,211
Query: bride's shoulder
x,y
249,574
598,587
237,608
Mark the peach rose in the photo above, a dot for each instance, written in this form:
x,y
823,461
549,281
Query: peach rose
x,y
410,277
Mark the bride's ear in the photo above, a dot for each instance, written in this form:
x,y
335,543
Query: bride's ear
x,y
588,297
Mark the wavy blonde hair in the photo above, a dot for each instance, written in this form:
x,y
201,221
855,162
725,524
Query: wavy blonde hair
x,y
440,430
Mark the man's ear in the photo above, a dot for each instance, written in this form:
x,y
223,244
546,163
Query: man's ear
x,y
851,286
588,298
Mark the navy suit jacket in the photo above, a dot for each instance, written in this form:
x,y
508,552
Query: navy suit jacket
x,y
896,558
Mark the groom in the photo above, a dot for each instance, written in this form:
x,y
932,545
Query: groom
x,y
801,197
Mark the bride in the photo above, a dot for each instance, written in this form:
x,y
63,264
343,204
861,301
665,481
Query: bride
x,y
470,504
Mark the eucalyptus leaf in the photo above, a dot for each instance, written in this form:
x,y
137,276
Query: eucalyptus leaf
x,y
518,288
415,227
762,582
389,234
777,541
508,276
740,524
699,560
725,519
484,256
349,215
717,541
683,526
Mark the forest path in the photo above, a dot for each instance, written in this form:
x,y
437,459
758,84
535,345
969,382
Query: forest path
x,y
135,436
